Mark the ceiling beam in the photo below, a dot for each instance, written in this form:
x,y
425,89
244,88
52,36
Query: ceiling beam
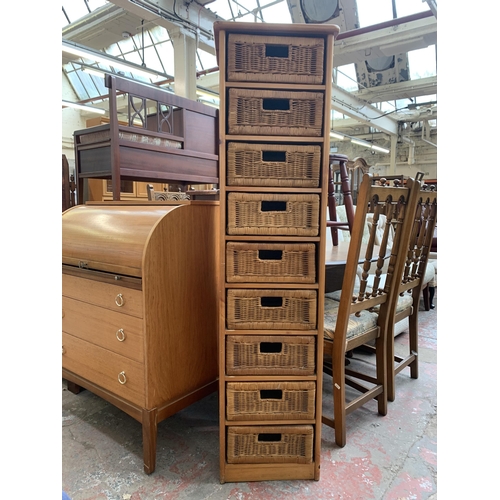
x,y
192,19
401,90
388,41
346,103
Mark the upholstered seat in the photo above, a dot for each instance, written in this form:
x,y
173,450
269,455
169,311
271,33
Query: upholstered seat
x,y
357,325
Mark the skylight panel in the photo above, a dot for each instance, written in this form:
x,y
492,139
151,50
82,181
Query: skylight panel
x,y
422,62
370,12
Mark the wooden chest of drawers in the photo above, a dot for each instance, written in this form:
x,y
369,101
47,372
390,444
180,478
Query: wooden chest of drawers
x,y
131,275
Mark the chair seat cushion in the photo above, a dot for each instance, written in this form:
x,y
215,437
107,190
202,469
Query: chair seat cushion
x,y
357,324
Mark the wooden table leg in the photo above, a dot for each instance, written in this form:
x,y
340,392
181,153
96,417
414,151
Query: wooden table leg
x,y
149,433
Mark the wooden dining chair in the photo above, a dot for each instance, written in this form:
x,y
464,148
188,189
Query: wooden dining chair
x,y
410,288
361,315
345,186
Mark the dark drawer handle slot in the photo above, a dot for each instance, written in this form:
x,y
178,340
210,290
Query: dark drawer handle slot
x,y
270,254
279,156
271,394
271,301
269,437
273,206
276,50
271,347
273,104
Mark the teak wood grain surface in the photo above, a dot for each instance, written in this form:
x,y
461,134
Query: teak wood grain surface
x,y
140,308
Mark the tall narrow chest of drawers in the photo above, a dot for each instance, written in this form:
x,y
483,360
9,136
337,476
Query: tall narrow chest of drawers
x,y
139,325
275,93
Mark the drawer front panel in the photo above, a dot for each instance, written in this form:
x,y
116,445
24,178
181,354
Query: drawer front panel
x,y
274,165
117,374
273,214
270,262
270,355
270,444
114,297
275,112
115,331
270,400
271,309
256,58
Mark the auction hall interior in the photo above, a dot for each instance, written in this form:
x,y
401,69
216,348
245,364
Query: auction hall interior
x,y
249,249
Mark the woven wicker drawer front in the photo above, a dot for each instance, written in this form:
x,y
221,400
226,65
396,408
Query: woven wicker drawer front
x,y
270,444
264,262
275,112
254,58
270,400
271,309
253,164
270,355
273,214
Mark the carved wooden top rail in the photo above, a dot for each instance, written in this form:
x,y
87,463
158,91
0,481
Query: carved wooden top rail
x,y
152,136
154,112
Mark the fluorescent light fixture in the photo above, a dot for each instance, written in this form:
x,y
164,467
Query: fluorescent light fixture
x,y
209,103
380,149
83,107
360,142
336,135
87,54
204,93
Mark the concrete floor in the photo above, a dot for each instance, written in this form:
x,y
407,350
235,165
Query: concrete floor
x,y
390,458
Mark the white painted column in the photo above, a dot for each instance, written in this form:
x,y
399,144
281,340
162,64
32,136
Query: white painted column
x,y
394,146
184,63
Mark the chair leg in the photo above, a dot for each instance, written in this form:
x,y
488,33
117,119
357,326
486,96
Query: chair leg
x,y
339,412
391,377
413,330
425,296
335,236
381,369
432,291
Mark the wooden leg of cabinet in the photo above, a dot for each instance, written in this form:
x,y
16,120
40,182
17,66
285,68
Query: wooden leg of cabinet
x,y
74,388
149,433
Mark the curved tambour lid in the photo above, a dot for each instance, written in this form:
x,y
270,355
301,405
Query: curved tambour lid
x,y
109,238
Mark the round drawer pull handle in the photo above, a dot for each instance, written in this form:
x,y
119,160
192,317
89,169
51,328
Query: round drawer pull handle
x,y
122,378
119,301
120,335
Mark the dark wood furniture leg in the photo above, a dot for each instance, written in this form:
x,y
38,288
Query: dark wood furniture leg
x,y
149,433
432,291
332,205
426,297
74,388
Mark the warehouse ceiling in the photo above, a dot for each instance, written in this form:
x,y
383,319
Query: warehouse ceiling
x,y
385,55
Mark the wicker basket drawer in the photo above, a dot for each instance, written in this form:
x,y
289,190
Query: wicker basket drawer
x,y
275,112
270,444
264,262
275,165
270,400
254,58
273,214
270,355
271,309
